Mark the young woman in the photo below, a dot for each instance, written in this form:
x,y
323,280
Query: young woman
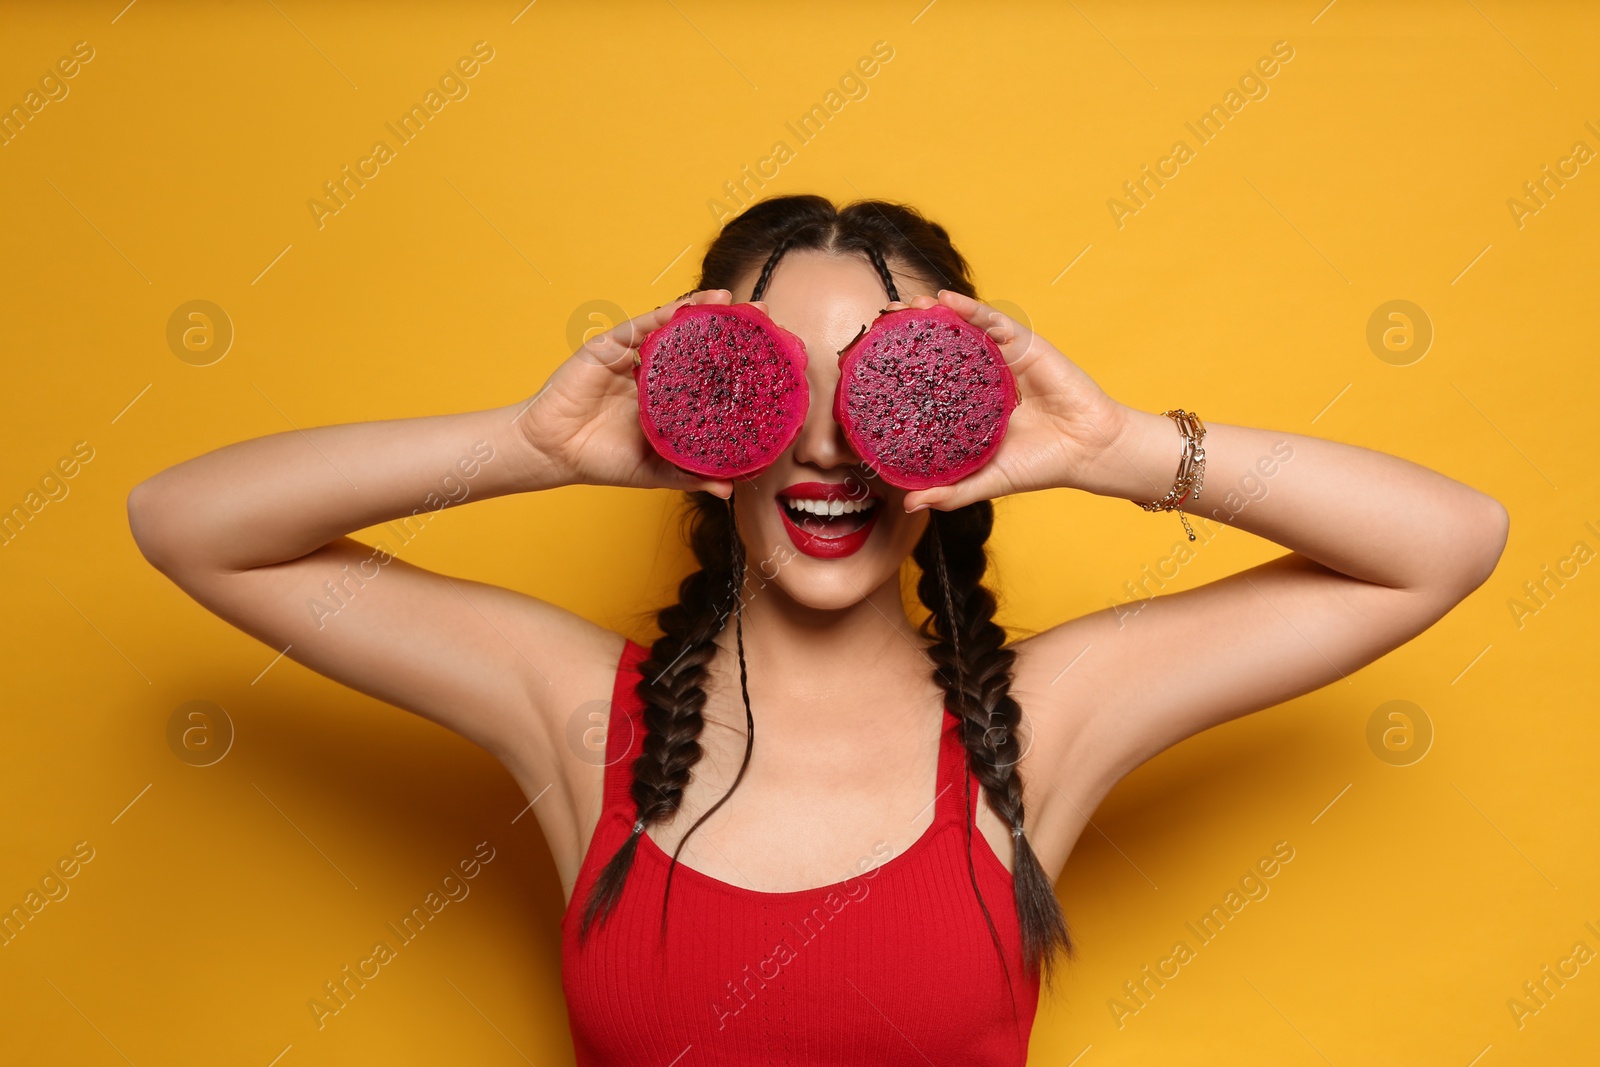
x,y
878,887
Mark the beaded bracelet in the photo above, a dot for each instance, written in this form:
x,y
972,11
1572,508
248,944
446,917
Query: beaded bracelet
x,y
1191,467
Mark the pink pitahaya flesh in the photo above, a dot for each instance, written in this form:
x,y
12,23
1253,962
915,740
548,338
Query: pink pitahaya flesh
x,y
924,397
722,389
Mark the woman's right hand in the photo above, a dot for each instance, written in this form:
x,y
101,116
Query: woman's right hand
x,y
584,421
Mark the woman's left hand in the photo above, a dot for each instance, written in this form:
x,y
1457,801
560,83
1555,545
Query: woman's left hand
x,y
1062,426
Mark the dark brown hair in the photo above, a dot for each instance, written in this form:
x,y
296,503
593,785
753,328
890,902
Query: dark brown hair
x,y
970,661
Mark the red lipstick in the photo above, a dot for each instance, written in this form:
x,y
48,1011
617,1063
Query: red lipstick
x,y
816,544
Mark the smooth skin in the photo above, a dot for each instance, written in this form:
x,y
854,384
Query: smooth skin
x,y
847,713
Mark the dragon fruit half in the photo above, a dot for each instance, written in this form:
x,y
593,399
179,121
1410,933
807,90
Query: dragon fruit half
x,y
722,389
924,396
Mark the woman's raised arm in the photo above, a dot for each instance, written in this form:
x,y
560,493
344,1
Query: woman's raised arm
x,y
1380,549
257,532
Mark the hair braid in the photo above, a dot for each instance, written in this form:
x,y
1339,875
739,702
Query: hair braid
x,y
672,686
736,573
922,246
883,271
772,261
973,664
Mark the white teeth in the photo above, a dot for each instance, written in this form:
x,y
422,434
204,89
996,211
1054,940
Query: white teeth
x,y
830,507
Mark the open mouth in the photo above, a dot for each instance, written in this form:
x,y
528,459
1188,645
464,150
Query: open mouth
x,y
830,519
828,529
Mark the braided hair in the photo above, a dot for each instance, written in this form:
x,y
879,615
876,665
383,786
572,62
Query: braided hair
x,y
970,661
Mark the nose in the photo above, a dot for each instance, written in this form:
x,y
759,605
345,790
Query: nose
x,y
821,442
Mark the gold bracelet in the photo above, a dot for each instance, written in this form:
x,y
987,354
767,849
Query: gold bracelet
x,y
1191,467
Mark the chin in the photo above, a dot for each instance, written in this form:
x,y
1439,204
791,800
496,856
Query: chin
x,y
832,587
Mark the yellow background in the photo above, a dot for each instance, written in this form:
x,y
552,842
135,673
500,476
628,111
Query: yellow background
x,y
579,168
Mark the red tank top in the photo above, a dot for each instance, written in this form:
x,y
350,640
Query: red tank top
x,y
892,966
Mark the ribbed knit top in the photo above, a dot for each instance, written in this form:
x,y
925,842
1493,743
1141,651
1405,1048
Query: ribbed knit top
x,y
894,965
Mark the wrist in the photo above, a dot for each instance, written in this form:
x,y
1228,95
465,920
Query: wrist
x,y
533,468
1140,461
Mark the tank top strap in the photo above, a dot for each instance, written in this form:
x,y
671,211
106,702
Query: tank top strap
x,y
955,772
952,766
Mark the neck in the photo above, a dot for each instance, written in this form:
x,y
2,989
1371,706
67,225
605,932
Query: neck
x,y
808,662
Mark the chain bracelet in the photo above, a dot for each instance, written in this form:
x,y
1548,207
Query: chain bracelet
x,y
1191,468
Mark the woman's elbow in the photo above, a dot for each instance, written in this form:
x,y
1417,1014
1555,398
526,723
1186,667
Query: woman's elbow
x,y
1488,540
145,523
